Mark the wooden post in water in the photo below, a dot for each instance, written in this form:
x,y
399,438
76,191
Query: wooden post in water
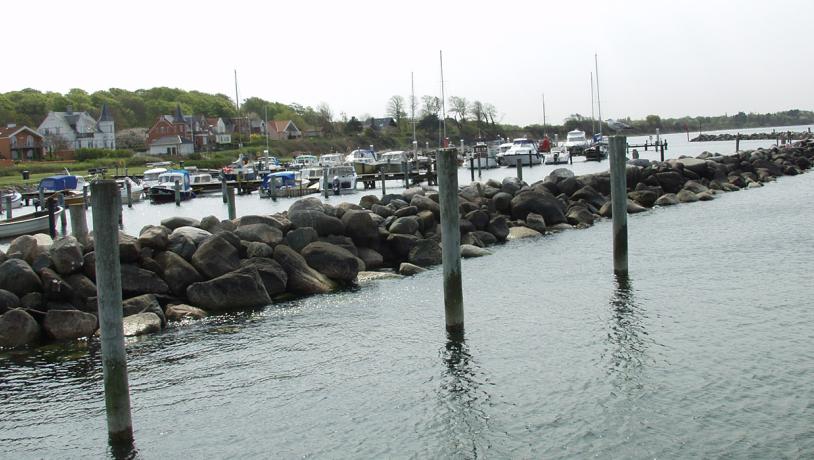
x,y
661,149
42,199
530,163
52,222
128,189
381,173
85,196
520,169
479,167
106,204
325,185
223,191
63,223
8,206
472,169
737,142
177,193
405,173
231,203
619,203
273,187
79,223
450,240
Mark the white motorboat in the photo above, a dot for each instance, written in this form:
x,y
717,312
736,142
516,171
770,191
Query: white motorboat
x,y
165,190
150,177
557,156
136,189
341,179
304,161
576,142
483,156
16,199
36,222
331,159
390,162
311,175
522,149
363,161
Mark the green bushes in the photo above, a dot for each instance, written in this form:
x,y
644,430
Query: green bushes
x,y
96,154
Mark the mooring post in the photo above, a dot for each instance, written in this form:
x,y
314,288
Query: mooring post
x,y
106,204
472,169
404,173
79,223
661,149
63,223
273,185
325,182
619,203
42,199
223,188
52,222
177,188
450,240
231,203
85,196
128,189
479,167
520,169
381,173
737,142
8,207
530,163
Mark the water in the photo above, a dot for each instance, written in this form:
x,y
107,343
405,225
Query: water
x,y
706,351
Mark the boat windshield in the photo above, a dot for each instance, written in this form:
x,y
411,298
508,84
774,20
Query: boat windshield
x,y
576,137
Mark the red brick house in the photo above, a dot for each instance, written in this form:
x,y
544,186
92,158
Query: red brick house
x,y
20,143
173,134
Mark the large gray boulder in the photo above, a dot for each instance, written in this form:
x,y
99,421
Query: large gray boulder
x,y
371,258
179,312
668,199
54,287
361,228
69,324
367,201
18,328
177,272
29,247
299,238
331,260
469,251
579,214
646,198
142,304
175,222
503,202
401,244
83,290
156,237
670,181
8,301
499,227
66,254
137,281
519,233
686,196
536,222
589,195
141,324
129,248
17,276
302,279
253,249
424,203
407,225
306,204
318,220
260,233
280,223
425,253
544,204
408,269
215,257
272,274
232,291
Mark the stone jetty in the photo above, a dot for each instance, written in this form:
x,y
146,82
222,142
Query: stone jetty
x,y
780,135
186,268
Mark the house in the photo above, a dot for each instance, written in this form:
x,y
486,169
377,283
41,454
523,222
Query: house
x,y
380,123
178,134
283,129
21,143
71,130
219,131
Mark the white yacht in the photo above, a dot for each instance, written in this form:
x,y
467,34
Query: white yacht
x,y
557,156
363,161
390,162
341,179
523,149
331,159
576,141
305,160
150,177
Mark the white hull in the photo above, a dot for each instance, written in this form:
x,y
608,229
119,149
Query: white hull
x,y
27,224
16,200
556,157
511,159
485,163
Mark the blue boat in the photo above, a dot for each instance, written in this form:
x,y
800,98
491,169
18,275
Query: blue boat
x,y
53,184
283,180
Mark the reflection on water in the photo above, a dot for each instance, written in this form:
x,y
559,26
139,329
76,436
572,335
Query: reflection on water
x,y
462,399
628,340
122,450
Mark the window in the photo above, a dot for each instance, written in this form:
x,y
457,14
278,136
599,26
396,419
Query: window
x,y
29,141
14,142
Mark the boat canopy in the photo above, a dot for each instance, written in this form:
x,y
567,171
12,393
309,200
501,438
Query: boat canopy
x,y
59,183
286,179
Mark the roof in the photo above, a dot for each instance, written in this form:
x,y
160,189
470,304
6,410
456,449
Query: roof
x,y
105,115
281,125
178,115
167,140
8,132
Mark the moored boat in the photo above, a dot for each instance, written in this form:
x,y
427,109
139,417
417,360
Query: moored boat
x,y
363,161
136,189
164,191
35,222
391,162
557,156
16,198
576,142
341,179
521,149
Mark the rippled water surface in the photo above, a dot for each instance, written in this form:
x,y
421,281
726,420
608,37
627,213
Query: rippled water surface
x,y
706,351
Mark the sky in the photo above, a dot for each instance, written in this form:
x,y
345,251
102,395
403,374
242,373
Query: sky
x,y
670,58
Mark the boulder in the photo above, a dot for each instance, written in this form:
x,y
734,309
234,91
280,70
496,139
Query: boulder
x,y
232,291
83,290
142,304
331,260
479,218
705,196
423,203
28,247
579,215
129,248
179,312
54,287
365,278
8,301
406,211
401,244
211,224
272,274
425,253
215,257
426,221
686,196
561,173
503,202
32,301
18,328
695,187
384,211
176,222
407,225
535,222
469,251
646,198
141,324
302,279
485,237
69,324
155,237
361,228
408,269
299,238
519,233
371,258
499,227
66,254
546,205
278,222
318,220
137,281
341,241
260,233
306,204
253,249
177,272
17,276
511,185
670,181
367,201
634,208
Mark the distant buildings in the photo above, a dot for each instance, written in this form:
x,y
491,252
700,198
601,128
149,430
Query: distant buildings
x,y
283,129
180,134
20,143
71,130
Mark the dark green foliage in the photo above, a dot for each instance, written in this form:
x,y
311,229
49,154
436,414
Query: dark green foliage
x,y
95,154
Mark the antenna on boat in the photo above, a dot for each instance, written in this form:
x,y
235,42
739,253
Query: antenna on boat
x,y
598,103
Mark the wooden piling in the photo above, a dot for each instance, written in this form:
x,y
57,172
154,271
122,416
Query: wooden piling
x,y
85,196
520,169
661,150
381,174
530,162
737,142
42,200
273,188
8,207
106,202
230,198
619,203
79,223
52,222
128,189
63,223
177,193
405,174
450,240
479,167
472,169
325,182
223,191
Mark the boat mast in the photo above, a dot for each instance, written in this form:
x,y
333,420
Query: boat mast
x,y
543,114
237,104
412,107
443,104
593,120
598,102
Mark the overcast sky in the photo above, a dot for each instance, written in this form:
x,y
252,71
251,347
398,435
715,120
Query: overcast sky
x,y
670,58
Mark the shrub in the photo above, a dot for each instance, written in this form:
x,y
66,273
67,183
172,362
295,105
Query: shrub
x,y
96,154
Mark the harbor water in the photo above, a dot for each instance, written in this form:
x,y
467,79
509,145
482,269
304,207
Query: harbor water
x,y
707,350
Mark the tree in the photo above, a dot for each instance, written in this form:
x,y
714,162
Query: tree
x,y
653,122
395,108
491,112
460,107
353,126
431,106
325,118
